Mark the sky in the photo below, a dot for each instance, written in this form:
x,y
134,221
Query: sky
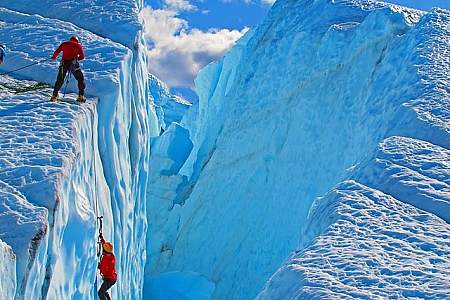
x,y
185,35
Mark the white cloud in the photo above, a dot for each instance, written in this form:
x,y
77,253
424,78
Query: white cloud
x,y
178,52
265,2
179,5
268,2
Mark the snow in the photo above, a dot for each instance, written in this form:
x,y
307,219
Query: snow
x,y
370,246
99,16
363,243
297,106
63,163
42,148
413,171
103,57
316,164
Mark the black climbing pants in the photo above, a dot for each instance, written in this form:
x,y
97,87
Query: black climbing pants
x,y
103,291
74,68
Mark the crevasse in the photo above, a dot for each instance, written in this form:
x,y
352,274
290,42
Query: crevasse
x,y
311,136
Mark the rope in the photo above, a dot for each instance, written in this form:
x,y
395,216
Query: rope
x,y
24,67
65,90
96,207
100,233
23,88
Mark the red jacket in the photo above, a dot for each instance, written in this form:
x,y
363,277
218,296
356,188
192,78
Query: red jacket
x,y
71,50
107,265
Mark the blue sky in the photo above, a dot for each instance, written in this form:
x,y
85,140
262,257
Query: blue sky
x,y
188,34
231,14
423,4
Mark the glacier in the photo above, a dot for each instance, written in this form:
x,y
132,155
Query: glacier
x,y
299,108
169,108
63,165
315,165
367,243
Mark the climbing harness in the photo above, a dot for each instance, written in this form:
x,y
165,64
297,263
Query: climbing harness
x,y
74,66
24,67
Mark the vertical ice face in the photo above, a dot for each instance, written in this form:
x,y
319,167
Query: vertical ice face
x,y
7,271
169,108
282,119
67,163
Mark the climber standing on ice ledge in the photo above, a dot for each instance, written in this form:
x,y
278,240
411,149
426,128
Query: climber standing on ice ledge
x,y
72,53
107,267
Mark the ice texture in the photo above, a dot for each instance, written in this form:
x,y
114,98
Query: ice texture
x,y
169,108
177,285
32,38
7,271
62,164
299,105
413,171
371,246
118,21
40,147
316,165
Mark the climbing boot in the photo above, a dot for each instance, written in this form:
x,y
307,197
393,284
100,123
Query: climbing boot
x,y
81,99
54,98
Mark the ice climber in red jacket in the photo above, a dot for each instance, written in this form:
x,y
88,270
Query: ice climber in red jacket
x,y
107,267
72,53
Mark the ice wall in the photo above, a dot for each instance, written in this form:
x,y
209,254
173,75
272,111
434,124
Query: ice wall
x,y
169,108
7,271
45,161
71,163
285,116
380,253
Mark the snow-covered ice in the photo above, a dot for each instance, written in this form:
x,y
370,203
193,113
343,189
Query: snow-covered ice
x,y
32,38
297,106
370,246
387,242
39,153
317,156
63,164
118,21
413,171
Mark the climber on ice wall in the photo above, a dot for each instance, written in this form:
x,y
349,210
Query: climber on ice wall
x,y
72,53
107,267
